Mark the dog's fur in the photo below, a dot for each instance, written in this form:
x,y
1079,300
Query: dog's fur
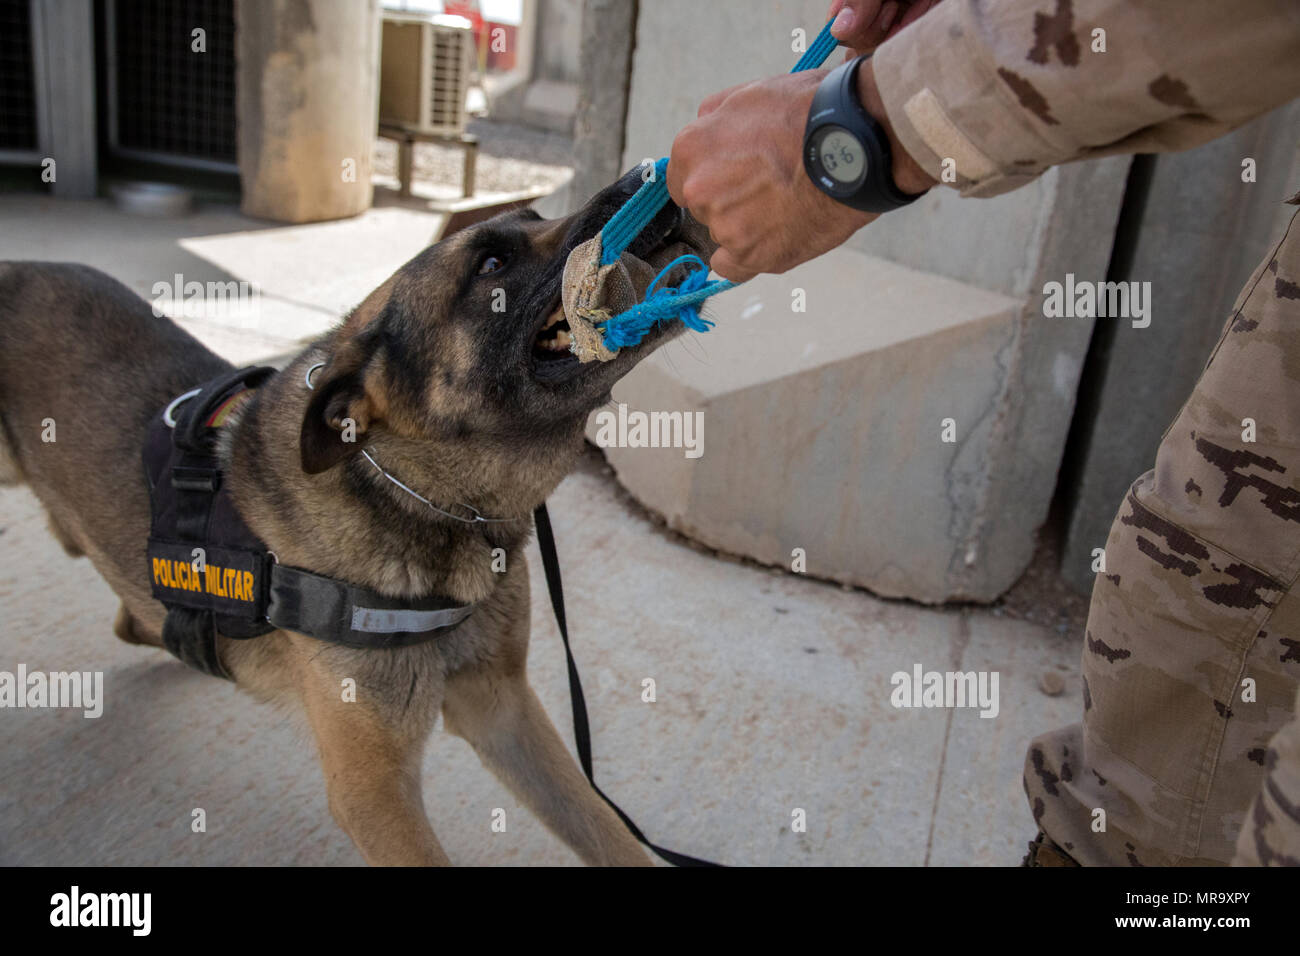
x,y
444,390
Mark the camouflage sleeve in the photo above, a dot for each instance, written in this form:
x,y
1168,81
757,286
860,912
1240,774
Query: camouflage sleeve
x,y
1271,833
997,91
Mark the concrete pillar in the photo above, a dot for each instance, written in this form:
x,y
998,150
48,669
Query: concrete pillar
x,y
307,76
608,30
559,38
65,29
551,99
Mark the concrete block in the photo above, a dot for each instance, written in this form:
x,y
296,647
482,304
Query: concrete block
x,y
992,503
822,430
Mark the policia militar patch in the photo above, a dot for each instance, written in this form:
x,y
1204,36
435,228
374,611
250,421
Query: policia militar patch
x,y
226,582
215,576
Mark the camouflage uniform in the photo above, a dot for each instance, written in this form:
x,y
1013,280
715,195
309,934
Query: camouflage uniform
x,y
1198,597
1269,837
1191,656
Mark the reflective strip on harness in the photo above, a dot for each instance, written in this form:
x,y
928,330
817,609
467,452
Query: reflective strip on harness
x,y
378,620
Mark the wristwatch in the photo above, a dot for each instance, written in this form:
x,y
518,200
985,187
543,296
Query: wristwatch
x,y
845,151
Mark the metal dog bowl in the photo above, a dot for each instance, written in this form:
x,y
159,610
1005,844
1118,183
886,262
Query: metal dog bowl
x,y
152,199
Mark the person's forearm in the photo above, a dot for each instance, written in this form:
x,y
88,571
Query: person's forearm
x,y
993,92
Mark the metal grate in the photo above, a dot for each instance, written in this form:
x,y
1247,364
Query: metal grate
x,y
169,100
17,86
449,79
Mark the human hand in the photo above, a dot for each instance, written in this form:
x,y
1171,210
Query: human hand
x,y
862,25
739,169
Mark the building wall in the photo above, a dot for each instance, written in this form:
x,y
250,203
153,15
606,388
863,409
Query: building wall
x,y
687,50
559,40
1201,232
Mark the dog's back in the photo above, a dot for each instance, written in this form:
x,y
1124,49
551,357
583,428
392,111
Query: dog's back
x,y
84,366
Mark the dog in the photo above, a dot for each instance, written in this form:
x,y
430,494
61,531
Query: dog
x,y
453,374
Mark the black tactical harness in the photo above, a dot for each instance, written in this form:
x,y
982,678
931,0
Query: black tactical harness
x,y
213,574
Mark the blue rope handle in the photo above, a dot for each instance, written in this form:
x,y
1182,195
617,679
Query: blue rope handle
x,y
683,302
626,224
821,48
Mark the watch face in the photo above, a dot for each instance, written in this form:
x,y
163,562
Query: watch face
x,y
841,156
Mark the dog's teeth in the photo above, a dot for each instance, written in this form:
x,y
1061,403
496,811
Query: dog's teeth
x,y
558,344
556,316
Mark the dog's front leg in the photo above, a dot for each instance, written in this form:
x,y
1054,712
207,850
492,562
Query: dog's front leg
x,y
372,775
502,719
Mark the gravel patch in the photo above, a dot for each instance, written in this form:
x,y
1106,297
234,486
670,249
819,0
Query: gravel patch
x,y
511,158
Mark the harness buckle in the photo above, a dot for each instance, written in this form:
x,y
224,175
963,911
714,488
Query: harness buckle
x,y
186,478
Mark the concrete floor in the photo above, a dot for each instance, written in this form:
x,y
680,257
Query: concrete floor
x,y
773,690
308,276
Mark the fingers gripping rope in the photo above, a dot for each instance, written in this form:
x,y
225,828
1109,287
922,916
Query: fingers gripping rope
x,y
683,302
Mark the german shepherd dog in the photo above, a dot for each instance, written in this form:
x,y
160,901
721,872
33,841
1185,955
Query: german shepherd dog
x,y
464,403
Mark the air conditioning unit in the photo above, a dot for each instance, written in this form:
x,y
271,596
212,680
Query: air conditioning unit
x,y
424,72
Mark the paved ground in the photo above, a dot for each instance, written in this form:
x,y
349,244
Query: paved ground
x,y
773,690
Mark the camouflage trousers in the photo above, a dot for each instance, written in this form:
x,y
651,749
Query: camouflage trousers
x,y
1191,657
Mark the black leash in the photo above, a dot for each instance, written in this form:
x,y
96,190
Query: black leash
x,y
581,728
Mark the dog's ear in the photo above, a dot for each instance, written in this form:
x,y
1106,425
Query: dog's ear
x,y
345,403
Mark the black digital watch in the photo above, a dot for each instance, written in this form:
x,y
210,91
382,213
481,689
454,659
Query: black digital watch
x,y
845,151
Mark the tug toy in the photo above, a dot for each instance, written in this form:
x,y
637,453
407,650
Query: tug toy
x,y
598,333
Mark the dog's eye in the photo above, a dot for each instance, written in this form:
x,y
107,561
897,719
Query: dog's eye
x,y
490,264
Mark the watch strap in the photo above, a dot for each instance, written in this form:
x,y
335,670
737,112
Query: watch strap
x,y
837,103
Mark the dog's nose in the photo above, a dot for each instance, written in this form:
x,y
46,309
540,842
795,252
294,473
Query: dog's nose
x,y
666,227
661,231
626,185
614,196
